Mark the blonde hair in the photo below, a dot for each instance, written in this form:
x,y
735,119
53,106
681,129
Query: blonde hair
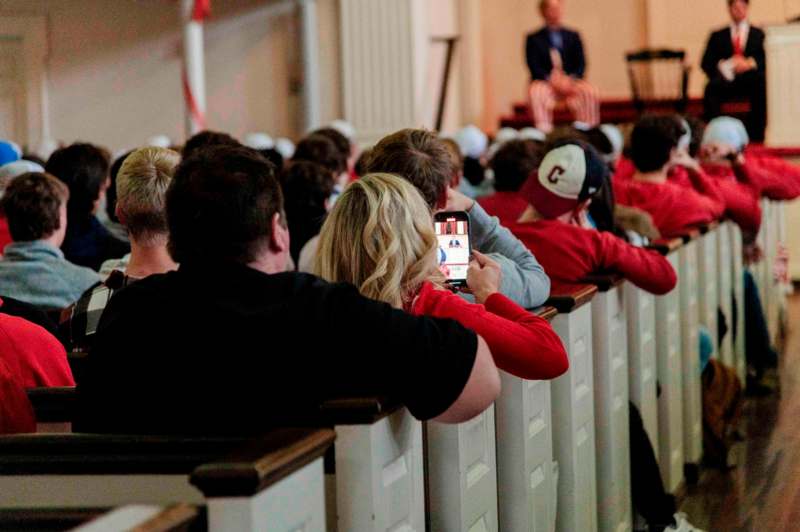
x,y
142,184
380,238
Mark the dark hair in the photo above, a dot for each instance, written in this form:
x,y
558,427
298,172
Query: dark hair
x,y
513,163
306,187
31,205
697,127
220,205
84,169
111,193
652,141
32,157
206,139
341,142
360,168
731,2
599,141
321,150
273,156
417,155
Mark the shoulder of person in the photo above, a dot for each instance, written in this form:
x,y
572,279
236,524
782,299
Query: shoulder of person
x,y
756,31
538,34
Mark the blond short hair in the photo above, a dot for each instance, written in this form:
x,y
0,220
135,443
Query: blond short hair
x,y
380,238
142,184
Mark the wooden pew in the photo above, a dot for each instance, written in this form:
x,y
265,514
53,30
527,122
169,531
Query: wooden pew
x,y
278,475
174,518
670,378
54,408
611,397
527,475
573,414
378,456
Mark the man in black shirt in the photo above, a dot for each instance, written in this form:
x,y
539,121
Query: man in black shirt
x,y
231,344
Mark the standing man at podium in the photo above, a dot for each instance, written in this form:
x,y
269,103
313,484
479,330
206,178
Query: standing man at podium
x,y
557,64
735,64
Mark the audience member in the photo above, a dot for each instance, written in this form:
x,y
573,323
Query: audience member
x,y
206,139
8,172
33,268
307,189
420,157
33,355
229,320
675,209
16,412
558,195
9,152
557,63
141,189
84,169
109,215
380,238
511,164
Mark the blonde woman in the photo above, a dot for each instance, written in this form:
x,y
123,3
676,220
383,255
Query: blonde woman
x,y
380,238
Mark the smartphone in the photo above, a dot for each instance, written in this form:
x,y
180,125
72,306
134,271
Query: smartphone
x,y
452,234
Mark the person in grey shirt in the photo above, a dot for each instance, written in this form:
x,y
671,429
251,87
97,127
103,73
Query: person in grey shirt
x,y
33,268
419,156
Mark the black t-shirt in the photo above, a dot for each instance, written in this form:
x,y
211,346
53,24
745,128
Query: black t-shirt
x,y
227,349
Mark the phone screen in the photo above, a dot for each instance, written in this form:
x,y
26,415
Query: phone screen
x,y
452,232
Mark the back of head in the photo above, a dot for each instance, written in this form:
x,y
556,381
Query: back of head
x,y
321,150
142,185
338,138
207,139
418,156
32,205
569,174
306,189
380,238
111,193
652,141
513,164
11,170
84,169
220,206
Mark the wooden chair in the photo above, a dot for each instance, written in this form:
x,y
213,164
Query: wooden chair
x,y
659,79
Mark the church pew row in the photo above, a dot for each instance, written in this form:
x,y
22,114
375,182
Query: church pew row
x,y
144,518
246,485
400,467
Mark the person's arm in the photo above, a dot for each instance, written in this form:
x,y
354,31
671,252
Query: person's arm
x,y
537,64
711,59
647,269
759,55
480,391
580,58
713,199
524,280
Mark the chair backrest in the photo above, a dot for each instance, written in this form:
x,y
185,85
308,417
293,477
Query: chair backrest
x,y
658,76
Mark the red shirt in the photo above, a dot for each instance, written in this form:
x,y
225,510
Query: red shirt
x,y
16,412
741,197
507,206
569,254
32,354
522,343
778,180
5,234
625,169
675,209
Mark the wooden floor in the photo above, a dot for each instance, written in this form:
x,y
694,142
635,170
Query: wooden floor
x,y
763,492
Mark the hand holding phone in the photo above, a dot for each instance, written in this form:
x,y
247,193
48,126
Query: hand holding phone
x,y
483,277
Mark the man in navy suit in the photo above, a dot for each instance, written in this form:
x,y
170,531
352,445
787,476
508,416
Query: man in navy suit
x,y
735,64
557,64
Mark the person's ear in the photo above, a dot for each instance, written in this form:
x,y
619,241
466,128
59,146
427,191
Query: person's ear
x,y
118,213
279,240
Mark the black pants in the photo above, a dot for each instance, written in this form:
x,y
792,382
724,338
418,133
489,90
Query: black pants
x,y
750,85
647,489
758,348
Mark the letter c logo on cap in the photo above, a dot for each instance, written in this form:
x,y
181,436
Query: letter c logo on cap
x,y
554,174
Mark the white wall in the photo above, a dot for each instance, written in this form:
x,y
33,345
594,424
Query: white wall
x,y
114,67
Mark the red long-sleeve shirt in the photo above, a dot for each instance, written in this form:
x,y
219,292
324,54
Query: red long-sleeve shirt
x,y
507,206
570,254
16,412
675,209
522,343
32,354
741,197
777,179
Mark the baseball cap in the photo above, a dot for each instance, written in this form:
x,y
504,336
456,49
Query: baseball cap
x,y
726,130
570,173
9,152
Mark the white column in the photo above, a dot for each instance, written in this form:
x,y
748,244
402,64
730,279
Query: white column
x,y
310,47
194,83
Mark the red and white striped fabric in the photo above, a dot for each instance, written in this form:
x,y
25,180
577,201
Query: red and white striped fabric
x,y
584,103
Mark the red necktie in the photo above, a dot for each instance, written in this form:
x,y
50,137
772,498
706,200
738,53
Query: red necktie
x,y
737,43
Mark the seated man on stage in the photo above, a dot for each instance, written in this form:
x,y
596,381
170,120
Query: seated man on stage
x,y
557,64
735,64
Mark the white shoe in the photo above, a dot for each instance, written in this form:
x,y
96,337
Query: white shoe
x,y
682,525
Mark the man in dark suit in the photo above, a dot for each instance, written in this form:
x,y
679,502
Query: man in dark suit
x,y
557,64
735,64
